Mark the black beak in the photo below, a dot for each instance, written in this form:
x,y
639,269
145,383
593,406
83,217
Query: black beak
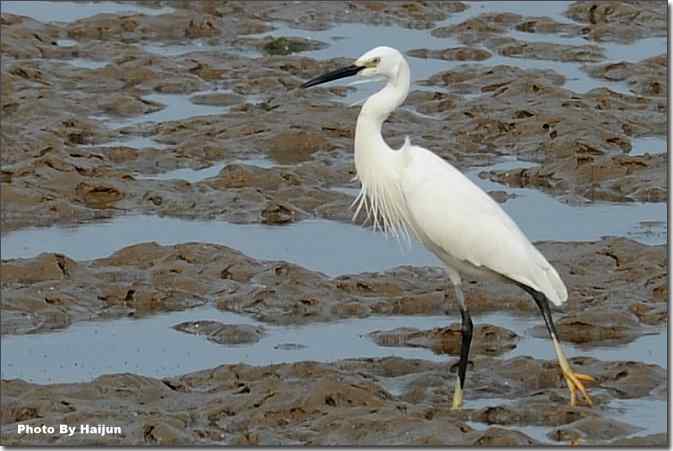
x,y
334,75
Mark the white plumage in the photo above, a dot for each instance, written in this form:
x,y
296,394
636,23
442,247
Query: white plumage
x,y
467,229
413,189
414,192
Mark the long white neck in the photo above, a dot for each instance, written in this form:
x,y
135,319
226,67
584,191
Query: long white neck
x,y
369,144
377,165
379,106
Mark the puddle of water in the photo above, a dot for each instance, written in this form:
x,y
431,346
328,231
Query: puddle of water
x,y
548,8
415,112
258,162
73,354
195,45
360,40
85,63
579,81
539,215
50,11
551,38
135,142
196,175
177,49
82,63
555,9
649,414
351,40
187,174
346,190
542,217
650,231
507,165
178,107
649,349
538,433
648,144
635,51
66,43
575,78
333,256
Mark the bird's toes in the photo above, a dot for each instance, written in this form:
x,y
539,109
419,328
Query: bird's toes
x,y
574,385
585,377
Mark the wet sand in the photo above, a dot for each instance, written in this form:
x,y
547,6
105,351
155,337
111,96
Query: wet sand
x,y
178,257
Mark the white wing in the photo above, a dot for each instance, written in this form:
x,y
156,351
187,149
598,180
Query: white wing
x,y
453,215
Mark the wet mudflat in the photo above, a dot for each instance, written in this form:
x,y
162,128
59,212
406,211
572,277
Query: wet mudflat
x,y
178,257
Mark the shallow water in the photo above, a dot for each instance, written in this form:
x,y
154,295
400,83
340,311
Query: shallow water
x,y
635,51
352,39
136,142
539,215
549,8
538,433
552,38
333,256
613,51
346,190
197,175
575,78
194,45
650,231
82,63
73,355
543,217
578,80
646,348
177,49
178,107
85,63
66,43
649,414
46,11
648,144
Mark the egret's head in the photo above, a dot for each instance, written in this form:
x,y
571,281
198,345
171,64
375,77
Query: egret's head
x,y
380,61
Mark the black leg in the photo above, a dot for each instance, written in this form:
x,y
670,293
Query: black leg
x,y
465,342
543,304
574,380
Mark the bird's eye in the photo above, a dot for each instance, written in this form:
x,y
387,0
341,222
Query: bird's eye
x,y
376,60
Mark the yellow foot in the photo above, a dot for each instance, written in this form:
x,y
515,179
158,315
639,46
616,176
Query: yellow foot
x,y
457,397
574,381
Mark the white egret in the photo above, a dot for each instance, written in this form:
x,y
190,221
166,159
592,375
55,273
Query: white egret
x,y
412,191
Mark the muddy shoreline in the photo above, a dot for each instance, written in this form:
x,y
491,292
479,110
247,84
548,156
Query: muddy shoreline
x,y
183,111
61,174
51,291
